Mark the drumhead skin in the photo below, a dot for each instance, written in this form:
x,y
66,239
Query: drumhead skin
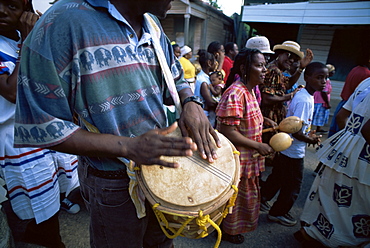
x,y
195,182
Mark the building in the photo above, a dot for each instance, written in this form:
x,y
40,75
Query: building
x,y
196,24
338,32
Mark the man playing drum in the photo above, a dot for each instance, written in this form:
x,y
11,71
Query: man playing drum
x,y
106,63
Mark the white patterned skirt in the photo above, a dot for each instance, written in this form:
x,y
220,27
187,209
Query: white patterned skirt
x,y
337,210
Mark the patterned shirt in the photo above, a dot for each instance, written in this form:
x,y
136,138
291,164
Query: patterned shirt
x,y
238,107
83,57
275,84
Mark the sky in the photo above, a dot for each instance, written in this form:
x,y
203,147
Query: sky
x,y
229,7
41,5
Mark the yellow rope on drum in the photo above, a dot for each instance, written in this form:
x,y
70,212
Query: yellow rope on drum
x,y
231,202
162,219
202,221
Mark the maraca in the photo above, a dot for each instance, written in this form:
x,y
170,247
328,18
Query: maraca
x,y
279,142
291,124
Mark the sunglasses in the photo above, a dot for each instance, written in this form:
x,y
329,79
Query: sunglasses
x,y
292,56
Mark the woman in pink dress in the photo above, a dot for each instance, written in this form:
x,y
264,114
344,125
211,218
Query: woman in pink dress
x,y
239,118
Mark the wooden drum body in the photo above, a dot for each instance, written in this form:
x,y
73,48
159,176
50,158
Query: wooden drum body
x,y
185,198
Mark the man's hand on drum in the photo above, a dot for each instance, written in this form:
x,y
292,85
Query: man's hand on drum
x,y
194,123
149,147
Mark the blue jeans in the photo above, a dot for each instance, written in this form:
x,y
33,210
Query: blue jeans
x,y
286,176
113,220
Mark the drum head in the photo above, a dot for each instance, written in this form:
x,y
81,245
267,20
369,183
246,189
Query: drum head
x,y
196,182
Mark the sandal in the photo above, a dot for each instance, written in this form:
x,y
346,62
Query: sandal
x,y
235,239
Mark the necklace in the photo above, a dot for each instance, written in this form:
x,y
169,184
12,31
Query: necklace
x,y
13,45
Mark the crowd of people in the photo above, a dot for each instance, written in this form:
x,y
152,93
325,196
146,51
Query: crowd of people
x,y
85,124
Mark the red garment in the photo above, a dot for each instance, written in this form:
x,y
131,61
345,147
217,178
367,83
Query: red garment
x,y
238,107
244,217
228,64
354,78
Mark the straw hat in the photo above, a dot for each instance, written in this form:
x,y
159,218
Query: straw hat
x,y
330,67
290,46
259,42
184,50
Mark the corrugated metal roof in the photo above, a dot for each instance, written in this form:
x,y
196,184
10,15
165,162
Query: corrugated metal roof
x,y
343,13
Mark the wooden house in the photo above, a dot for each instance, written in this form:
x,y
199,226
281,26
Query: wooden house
x,y
338,32
196,24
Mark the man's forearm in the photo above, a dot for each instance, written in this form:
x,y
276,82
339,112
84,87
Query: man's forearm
x,y
86,143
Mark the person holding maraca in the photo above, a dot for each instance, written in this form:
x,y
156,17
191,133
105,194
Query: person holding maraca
x,y
240,119
287,172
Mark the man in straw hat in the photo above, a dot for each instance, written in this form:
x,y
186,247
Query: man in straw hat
x,y
275,84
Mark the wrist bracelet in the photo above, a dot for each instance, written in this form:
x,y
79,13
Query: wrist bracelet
x,y
300,70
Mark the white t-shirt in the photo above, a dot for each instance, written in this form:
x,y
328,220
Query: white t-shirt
x,y
302,106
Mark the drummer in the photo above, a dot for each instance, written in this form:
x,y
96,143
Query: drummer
x,y
239,118
287,172
94,73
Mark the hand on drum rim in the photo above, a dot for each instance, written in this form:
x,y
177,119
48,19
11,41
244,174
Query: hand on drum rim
x,y
150,147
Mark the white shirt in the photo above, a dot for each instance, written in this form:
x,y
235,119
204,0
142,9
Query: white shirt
x,y
302,106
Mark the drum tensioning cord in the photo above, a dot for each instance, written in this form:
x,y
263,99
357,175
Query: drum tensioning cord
x,y
201,220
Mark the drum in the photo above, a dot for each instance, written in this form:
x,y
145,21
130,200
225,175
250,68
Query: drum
x,y
192,200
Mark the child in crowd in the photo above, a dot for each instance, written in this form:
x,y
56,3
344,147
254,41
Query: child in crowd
x,y
208,63
217,85
34,177
287,172
240,119
322,103
176,50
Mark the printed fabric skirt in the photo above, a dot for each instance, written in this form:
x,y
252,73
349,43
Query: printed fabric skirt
x,y
320,115
337,210
244,217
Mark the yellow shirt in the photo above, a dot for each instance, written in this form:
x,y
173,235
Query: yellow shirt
x,y
189,68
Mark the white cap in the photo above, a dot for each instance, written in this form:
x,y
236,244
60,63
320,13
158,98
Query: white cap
x,y
259,42
184,50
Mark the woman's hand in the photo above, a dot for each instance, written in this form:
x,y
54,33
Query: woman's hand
x,y
264,149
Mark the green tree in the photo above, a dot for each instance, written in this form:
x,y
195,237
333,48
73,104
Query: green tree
x,y
214,3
